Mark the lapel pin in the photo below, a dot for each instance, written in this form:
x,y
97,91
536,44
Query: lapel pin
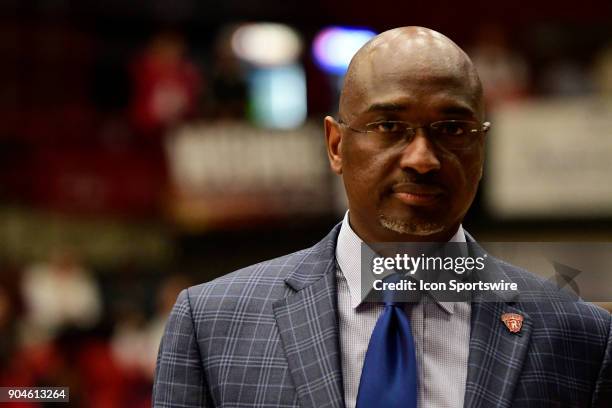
x,y
513,322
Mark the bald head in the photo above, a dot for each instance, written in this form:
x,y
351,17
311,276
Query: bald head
x,y
409,54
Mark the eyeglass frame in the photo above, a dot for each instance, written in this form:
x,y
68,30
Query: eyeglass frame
x,y
484,126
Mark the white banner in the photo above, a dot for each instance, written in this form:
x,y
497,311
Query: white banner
x,y
551,158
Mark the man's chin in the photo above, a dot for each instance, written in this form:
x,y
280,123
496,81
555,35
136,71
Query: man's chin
x,y
421,228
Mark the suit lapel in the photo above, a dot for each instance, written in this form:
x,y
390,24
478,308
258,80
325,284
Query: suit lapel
x,y
308,325
496,355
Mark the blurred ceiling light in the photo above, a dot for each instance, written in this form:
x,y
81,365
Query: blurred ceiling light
x,y
334,47
266,44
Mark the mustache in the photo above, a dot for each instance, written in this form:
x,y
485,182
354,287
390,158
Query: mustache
x,y
418,183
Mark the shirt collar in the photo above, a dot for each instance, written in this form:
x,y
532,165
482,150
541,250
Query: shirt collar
x,y
348,255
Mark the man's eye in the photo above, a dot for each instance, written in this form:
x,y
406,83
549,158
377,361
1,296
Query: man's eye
x,y
450,129
387,127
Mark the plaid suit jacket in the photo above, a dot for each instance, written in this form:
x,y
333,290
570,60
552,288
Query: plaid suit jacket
x,y
267,336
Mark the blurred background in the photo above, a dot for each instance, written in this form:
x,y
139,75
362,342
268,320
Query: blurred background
x,y
148,146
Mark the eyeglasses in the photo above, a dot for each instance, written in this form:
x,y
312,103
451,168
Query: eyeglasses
x,y
451,134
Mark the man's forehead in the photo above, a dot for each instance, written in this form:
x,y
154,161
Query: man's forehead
x,y
412,57
401,87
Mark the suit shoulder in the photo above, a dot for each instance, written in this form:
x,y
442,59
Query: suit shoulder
x,y
269,272
543,296
254,287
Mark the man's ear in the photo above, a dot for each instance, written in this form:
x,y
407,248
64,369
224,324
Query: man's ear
x,y
482,165
333,139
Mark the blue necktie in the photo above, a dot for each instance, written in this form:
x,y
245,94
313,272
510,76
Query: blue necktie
x,y
389,375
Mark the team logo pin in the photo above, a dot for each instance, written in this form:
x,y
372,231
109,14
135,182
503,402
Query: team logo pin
x,y
513,322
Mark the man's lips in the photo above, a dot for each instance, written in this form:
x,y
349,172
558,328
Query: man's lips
x,y
418,194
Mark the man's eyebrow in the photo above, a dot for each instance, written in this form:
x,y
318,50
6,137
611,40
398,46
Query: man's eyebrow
x,y
385,107
399,107
458,110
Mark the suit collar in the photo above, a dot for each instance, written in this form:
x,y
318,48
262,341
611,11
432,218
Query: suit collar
x,y
314,263
494,272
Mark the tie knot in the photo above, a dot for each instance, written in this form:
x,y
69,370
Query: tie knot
x,y
390,297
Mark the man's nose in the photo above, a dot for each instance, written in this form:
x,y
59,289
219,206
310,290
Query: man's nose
x,y
420,154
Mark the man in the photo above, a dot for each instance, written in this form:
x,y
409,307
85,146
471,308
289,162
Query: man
x,y
409,145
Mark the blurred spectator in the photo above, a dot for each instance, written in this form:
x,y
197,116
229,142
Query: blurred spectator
x,y
129,343
229,86
166,297
58,294
603,71
565,77
15,370
165,83
504,72
136,341
10,314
